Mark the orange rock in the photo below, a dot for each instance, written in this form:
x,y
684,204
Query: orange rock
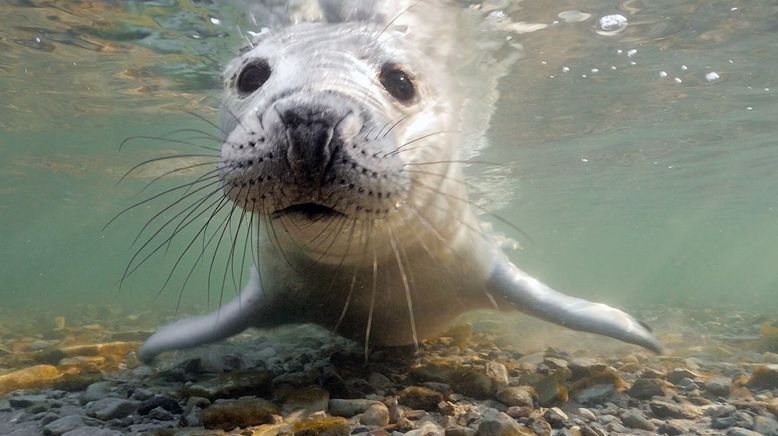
x,y
28,378
108,348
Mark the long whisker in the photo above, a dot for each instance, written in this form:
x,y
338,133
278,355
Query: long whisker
x,y
167,208
406,285
160,139
412,141
188,167
207,121
482,209
141,203
158,159
374,289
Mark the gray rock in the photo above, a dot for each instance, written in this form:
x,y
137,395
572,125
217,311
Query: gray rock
x,y
92,431
63,425
663,410
380,381
141,394
459,431
645,388
764,377
192,417
677,374
97,391
723,422
674,427
555,363
500,425
540,427
586,414
686,383
596,394
426,429
515,396
377,415
519,412
160,414
738,431
556,417
22,401
635,419
718,386
162,401
766,425
497,372
718,410
111,408
349,408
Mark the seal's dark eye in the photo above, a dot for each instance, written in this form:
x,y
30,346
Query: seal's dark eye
x,y
397,83
253,76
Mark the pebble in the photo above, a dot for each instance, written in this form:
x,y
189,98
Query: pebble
x,y
613,23
22,401
376,415
420,397
664,409
501,425
596,394
92,431
63,425
635,419
677,374
497,372
718,386
586,414
160,414
459,431
737,431
556,417
229,414
97,391
111,408
516,396
348,408
645,388
159,401
426,429
766,425
519,412
764,377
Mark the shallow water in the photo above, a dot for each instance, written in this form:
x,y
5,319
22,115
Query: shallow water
x,y
630,186
636,166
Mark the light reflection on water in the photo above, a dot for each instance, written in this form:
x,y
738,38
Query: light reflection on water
x,y
630,183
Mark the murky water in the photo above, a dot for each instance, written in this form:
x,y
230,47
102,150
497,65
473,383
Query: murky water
x,y
636,172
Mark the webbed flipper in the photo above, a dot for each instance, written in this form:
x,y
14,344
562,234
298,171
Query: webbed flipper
x,y
530,296
229,320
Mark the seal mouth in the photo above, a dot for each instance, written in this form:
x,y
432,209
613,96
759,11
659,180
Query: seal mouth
x,y
311,211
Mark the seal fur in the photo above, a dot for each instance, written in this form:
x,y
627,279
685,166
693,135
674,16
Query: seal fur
x,y
342,140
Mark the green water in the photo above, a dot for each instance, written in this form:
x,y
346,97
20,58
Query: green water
x,y
631,186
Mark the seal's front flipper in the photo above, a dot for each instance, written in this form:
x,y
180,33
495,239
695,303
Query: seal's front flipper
x,y
531,296
228,320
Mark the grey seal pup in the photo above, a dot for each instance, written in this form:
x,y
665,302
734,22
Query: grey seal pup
x,y
342,140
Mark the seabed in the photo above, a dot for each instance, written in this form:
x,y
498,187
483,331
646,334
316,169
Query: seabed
x,y
495,375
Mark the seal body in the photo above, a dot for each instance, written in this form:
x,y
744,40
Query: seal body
x,y
343,143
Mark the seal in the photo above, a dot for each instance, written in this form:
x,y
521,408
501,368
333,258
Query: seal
x,y
342,146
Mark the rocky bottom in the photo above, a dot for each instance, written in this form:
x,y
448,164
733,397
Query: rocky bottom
x,y
490,375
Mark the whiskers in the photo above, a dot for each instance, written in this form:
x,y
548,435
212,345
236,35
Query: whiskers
x,y
197,219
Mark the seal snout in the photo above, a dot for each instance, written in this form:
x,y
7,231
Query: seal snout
x,y
309,141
